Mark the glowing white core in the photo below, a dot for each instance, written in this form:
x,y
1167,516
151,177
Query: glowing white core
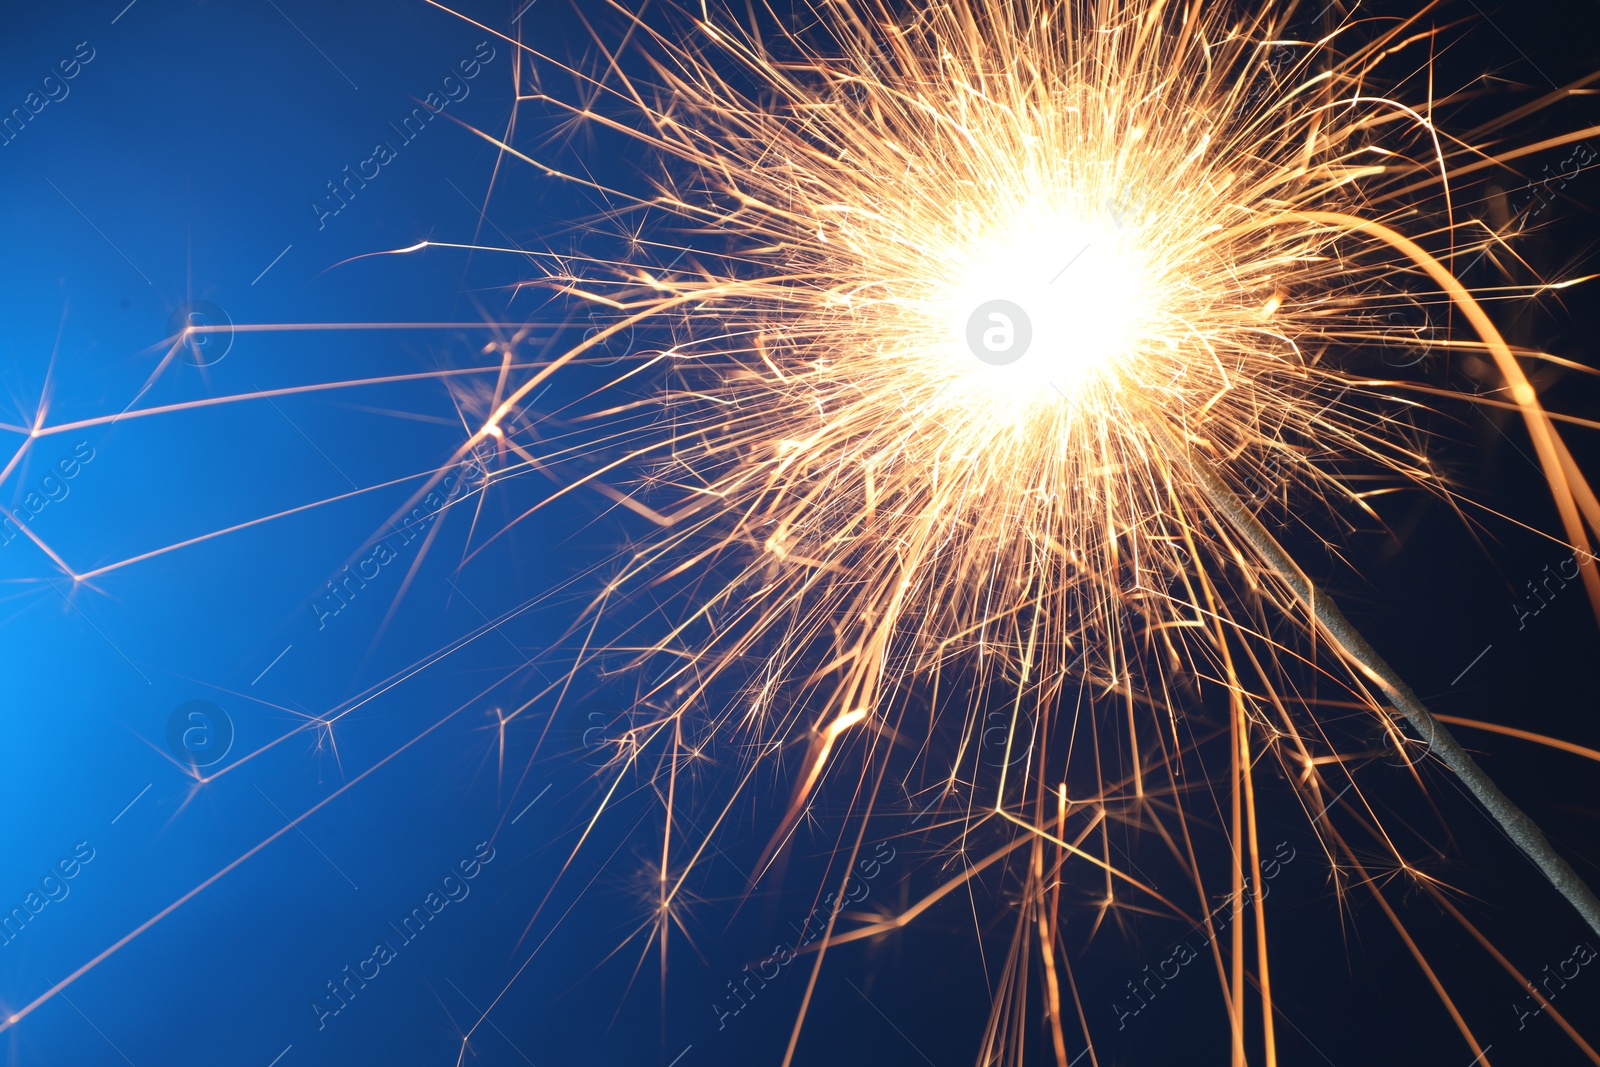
x,y
1081,289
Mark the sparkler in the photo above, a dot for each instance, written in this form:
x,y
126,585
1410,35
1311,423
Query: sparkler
x,y
982,330
993,312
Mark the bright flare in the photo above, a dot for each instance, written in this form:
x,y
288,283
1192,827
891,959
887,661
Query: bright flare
x,y
1055,304
970,293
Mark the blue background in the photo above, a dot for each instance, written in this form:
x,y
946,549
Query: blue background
x,y
181,163
181,167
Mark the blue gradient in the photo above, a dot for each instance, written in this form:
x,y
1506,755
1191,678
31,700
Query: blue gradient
x,y
186,163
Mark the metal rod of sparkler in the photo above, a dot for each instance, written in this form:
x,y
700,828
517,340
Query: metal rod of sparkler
x,y
1522,830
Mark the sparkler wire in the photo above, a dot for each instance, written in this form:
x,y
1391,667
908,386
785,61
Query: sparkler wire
x,y
1441,742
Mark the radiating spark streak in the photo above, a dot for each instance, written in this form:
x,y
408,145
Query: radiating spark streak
x,y
495,626
483,216
1526,735
1253,839
485,1018
1521,980
1332,623
421,246
1500,159
21,1013
1095,860
540,909
1416,953
37,540
1567,492
945,889
592,480
354,704
1502,405
291,390
198,539
421,555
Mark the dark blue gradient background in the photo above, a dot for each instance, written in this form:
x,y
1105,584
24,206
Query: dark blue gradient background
x,y
182,163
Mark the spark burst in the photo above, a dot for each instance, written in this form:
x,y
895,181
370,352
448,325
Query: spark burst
x,y
881,538
1183,251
